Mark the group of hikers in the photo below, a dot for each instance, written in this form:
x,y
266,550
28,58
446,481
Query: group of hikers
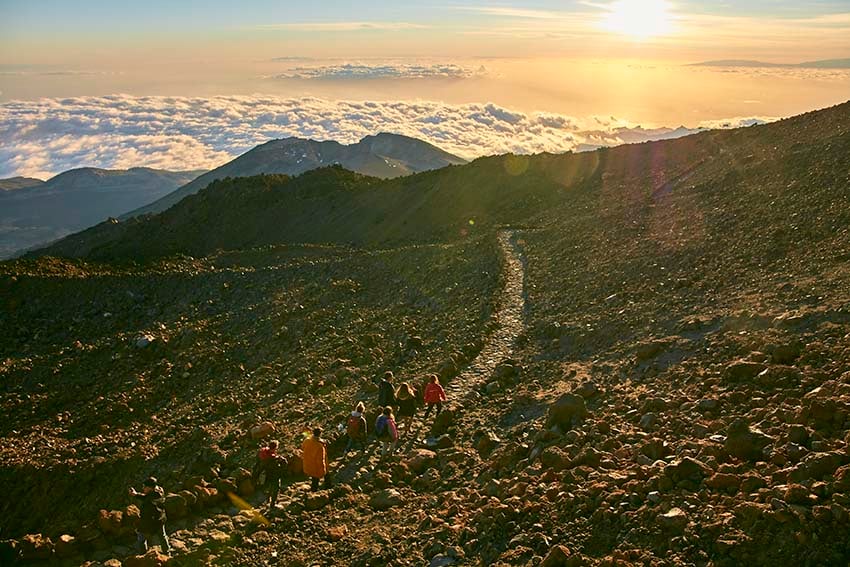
x,y
400,402
403,402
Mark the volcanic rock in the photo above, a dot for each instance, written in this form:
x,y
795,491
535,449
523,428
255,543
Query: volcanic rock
x,y
745,443
385,499
567,412
676,520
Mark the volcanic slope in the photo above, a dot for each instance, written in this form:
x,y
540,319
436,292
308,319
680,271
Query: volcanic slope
x,y
108,372
678,391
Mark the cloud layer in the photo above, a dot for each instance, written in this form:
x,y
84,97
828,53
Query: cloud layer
x,y
382,71
41,138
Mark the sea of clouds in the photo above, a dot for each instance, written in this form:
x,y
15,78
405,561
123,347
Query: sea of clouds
x,y
41,138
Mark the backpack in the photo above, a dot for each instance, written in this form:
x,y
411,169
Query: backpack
x,y
381,429
356,426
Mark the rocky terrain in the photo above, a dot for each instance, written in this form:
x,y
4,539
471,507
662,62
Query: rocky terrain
x,y
647,351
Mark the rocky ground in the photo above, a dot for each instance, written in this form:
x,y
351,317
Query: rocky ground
x,y
655,371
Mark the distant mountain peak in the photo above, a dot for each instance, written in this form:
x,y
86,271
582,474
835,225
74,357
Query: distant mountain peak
x,y
383,155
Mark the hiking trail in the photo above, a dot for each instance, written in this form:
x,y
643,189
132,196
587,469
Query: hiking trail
x,y
509,316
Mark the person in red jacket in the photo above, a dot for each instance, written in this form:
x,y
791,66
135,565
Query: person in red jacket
x,y
434,395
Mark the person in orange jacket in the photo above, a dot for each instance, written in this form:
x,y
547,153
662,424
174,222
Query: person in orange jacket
x,y
314,455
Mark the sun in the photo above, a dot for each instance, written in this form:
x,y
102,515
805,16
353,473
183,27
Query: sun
x,y
640,19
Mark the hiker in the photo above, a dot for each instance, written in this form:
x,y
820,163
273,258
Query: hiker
x,y
386,390
386,431
269,470
356,429
434,395
314,455
152,517
264,457
406,399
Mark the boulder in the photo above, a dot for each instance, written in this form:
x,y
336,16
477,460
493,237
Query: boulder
x,y
420,460
442,422
786,353
386,499
798,434
448,370
587,390
567,411
555,458
675,521
842,479
66,546
797,494
35,547
441,561
816,466
109,522
648,420
558,556
655,449
506,372
742,371
486,442
152,558
442,442
745,443
686,470
316,500
724,481
262,430
144,341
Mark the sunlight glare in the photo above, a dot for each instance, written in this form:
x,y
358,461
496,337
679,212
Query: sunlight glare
x,y
640,19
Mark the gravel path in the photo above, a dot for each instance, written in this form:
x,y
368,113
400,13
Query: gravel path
x,y
509,316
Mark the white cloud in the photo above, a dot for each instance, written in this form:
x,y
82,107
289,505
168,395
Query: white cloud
x,y
43,137
382,71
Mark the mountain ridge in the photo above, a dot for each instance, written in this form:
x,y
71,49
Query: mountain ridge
x,y
34,214
383,155
821,64
430,205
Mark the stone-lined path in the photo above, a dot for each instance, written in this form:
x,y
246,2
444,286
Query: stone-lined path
x,y
509,316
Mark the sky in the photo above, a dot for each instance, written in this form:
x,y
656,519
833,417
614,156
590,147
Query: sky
x,y
76,74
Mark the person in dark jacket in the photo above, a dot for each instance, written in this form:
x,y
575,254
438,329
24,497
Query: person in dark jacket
x,y
407,404
386,391
152,518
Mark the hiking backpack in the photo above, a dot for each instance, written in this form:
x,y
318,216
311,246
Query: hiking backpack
x,y
356,426
381,429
